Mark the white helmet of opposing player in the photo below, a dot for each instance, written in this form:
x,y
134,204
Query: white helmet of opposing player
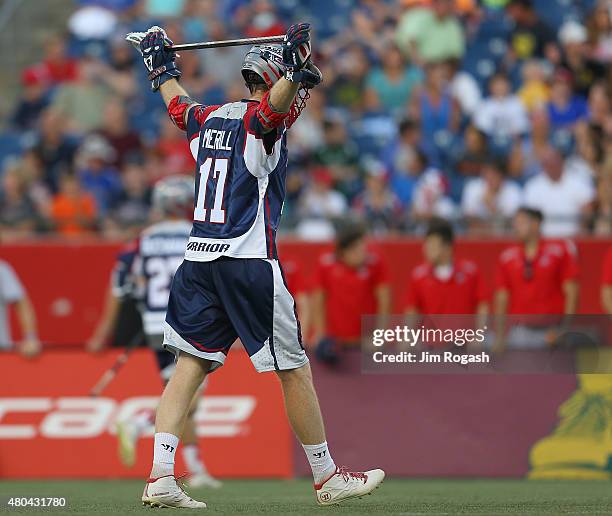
x,y
173,195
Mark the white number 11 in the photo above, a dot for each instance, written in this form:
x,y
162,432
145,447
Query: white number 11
x,y
217,213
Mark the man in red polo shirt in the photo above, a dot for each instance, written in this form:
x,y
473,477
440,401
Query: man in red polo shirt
x,y
296,284
535,277
444,284
350,283
606,283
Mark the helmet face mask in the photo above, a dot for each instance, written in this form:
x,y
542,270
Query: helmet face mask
x,y
266,61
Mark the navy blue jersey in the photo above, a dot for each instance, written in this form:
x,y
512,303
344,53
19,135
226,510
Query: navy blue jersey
x,y
145,270
240,182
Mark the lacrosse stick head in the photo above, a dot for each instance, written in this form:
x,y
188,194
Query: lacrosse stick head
x,y
134,38
302,96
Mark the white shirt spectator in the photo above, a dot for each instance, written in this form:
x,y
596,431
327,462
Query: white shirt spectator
x,y
317,208
11,291
502,118
561,202
430,196
507,201
466,92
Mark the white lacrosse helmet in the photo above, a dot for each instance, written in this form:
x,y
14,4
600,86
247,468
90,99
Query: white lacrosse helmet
x,y
173,195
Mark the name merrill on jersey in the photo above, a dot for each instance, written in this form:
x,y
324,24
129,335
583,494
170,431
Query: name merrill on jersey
x,y
216,139
162,245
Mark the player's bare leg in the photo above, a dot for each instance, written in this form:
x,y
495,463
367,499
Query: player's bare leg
x,y
162,489
332,484
198,474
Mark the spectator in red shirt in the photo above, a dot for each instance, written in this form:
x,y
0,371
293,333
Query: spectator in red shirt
x,y
350,283
606,283
299,290
536,277
57,65
444,284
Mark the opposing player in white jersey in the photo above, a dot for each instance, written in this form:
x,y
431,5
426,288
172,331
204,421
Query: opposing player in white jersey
x,y
231,284
144,271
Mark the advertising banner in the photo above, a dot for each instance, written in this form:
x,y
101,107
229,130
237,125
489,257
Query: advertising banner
x,y
51,428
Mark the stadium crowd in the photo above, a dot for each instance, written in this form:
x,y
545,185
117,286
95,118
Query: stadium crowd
x,y
461,109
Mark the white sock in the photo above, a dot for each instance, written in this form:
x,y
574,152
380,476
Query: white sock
x,y
320,461
164,449
191,456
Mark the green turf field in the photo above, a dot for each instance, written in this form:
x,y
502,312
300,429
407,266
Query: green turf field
x,y
407,497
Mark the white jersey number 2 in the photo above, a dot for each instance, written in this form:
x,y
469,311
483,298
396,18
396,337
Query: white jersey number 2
x,y
217,213
160,271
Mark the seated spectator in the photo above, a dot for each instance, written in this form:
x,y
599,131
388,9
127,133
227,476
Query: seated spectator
x,y
576,58
531,36
119,72
347,81
349,283
525,158
306,134
221,63
406,164
599,29
600,216
443,283
431,198
197,15
378,205
18,215
34,98
501,116
474,152
562,198
599,105
129,212
490,200
431,33
53,146
73,211
117,133
586,159
340,156
534,92
464,88
263,20
392,84
96,174
565,108
82,102
57,67
433,105
319,204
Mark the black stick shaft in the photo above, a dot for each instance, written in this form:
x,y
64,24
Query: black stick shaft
x,y
228,43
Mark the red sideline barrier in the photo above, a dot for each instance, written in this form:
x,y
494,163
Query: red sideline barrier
x,y
51,428
66,281
436,425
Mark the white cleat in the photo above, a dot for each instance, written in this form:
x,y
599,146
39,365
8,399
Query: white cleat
x,y
203,480
167,492
345,484
127,435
